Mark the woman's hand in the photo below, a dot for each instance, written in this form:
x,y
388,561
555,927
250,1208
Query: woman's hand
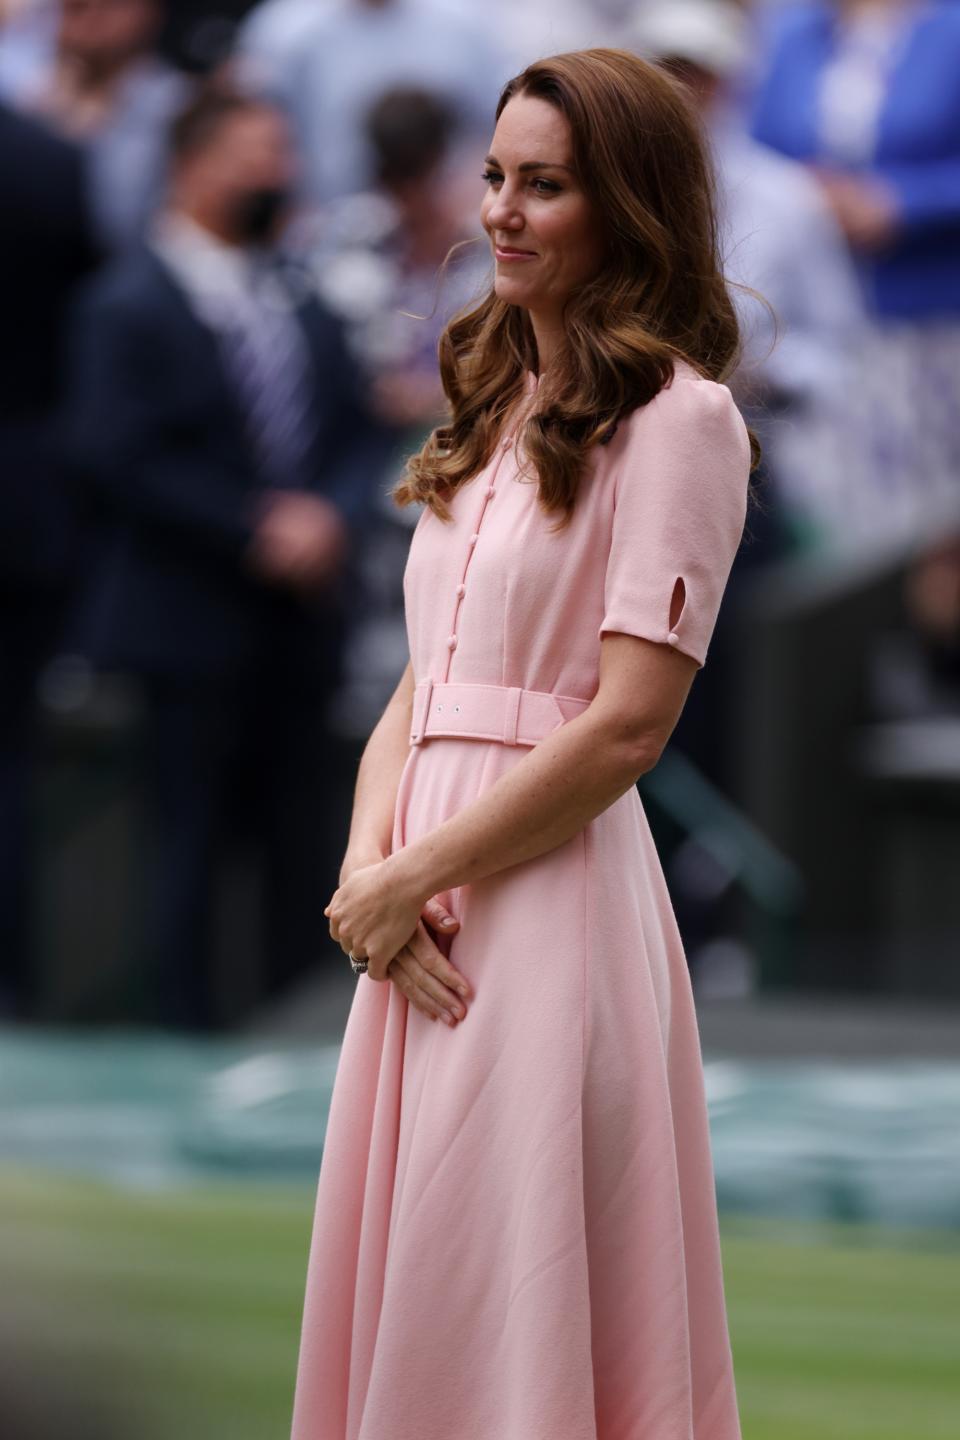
x,y
428,979
372,915
417,967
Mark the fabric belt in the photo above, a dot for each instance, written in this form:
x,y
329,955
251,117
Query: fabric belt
x,y
489,712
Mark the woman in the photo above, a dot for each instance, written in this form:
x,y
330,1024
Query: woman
x,y
516,1232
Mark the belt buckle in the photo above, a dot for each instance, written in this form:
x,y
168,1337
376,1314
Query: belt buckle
x,y
421,708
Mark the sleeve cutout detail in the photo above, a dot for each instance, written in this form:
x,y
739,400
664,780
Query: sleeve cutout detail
x,y
678,603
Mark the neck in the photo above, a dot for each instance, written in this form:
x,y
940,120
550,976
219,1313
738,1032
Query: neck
x,y
100,75
206,216
548,333
859,7
428,237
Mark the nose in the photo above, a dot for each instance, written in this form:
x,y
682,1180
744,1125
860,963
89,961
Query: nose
x,y
502,213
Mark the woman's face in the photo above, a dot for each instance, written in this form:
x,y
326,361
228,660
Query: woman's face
x,y
545,235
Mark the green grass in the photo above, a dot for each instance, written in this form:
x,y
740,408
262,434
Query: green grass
x,y
181,1311
844,1332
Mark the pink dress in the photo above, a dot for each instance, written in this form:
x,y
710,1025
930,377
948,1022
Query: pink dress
x,y
516,1230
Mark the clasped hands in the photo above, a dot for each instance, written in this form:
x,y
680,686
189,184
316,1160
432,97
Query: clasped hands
x,y
376,917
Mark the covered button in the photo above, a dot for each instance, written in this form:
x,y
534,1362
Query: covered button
x,y
474,538
461,589
673,638
491,490
452,642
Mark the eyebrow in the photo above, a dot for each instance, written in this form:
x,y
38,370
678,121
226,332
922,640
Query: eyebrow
x,y
531,165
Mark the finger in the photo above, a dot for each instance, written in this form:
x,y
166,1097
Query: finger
x,y
433,960
405,984
442,994
439,916
405,965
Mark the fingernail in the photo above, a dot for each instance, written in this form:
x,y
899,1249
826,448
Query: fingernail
x,y
449,921
450,1020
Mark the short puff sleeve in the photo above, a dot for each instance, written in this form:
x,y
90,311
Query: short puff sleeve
x,y
681,468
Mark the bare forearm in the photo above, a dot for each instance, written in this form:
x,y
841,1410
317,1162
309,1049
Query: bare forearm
x,y
559,786
378,778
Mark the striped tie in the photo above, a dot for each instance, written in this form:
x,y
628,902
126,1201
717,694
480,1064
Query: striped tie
x,y
267,359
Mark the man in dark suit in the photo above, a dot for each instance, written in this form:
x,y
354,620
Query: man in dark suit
x,y
45,248
217,415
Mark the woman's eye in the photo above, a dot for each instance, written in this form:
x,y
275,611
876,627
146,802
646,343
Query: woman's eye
x,y
539,185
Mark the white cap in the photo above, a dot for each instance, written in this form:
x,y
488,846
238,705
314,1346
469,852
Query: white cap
x,y
714,34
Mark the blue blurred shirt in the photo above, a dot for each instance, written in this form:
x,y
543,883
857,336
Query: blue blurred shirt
x,y
899,121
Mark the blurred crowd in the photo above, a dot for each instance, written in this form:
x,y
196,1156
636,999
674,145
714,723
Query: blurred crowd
x,y
229,241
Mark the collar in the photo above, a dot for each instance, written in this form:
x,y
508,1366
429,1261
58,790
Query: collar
x,y
220,279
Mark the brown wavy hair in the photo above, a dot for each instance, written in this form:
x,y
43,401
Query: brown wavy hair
x,y
643,160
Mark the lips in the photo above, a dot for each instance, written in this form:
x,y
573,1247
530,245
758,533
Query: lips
x,y
507,252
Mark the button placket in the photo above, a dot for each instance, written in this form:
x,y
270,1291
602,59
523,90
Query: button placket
x,y
489,491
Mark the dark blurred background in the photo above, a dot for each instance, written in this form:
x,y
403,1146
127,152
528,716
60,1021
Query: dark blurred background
x,y
224,234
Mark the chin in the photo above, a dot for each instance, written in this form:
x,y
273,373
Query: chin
x,y
513,292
